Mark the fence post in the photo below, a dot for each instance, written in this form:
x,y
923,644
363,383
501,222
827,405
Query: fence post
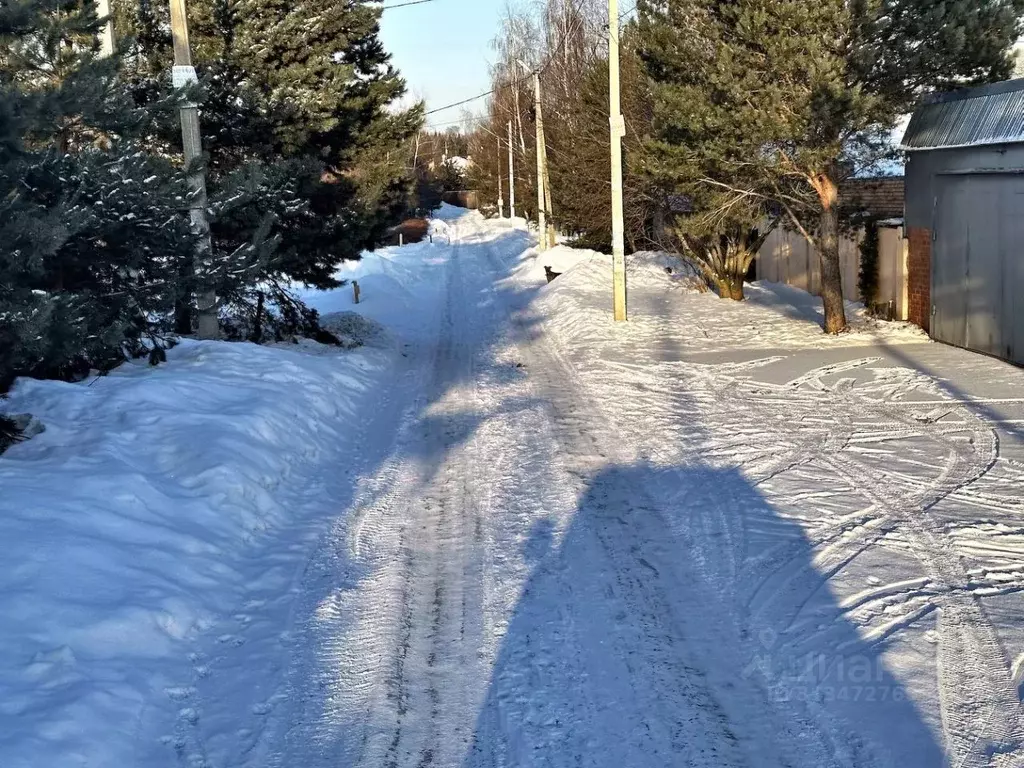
x,y
355,290
904,275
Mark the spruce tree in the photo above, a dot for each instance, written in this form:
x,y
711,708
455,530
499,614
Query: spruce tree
x,y
304,153
782,100
91,234
328,87
579,156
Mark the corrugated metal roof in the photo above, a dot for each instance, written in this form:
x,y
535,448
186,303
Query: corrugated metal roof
x,y
991,114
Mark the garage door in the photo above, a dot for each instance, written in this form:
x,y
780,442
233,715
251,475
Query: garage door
x,y
978,264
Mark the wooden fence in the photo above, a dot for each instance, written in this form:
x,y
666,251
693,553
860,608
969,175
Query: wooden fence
x,y
787,257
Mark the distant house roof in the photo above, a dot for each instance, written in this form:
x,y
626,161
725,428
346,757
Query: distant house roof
x,y
990,114
879,196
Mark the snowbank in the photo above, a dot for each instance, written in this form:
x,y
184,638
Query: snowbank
x,y
126,525
669,304
394,284
165,510
448,212
562,259
354,330
649,267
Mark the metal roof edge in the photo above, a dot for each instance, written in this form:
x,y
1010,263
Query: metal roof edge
x,y
985,143
973,92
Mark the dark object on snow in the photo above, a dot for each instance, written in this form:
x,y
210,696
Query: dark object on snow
x,y
324,336
463,198
409,231
883,310
550,274
14,429
10,433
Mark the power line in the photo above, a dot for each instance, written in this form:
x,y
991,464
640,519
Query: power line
x,y
624,14
403,5
458,103
550,58
442,125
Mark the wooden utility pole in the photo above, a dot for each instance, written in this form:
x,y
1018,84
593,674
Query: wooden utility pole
x,y
185,74
107,33
511,175
501,199
618,130
542,227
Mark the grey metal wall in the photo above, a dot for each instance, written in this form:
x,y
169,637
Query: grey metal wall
x,y
972,200
978,262
923,166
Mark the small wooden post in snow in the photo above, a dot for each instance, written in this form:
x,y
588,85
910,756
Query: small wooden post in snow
x,y
355,290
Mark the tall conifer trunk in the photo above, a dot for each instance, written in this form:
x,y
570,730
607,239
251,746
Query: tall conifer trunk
x,y
828,253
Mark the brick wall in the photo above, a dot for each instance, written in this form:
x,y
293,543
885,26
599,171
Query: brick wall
x,y
919,276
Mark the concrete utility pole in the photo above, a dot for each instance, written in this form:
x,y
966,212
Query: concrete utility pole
x,y
501,199
184,74
511,175
552,240
618,130
548,209
107,34
542,227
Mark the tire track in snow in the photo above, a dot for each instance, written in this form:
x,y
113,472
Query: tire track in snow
x,y
665,685
435,597
974,654
980,705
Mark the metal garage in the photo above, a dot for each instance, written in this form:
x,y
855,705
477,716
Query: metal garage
x,y
965,218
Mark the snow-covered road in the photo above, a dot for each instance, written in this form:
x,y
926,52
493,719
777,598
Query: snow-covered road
x,y
577,553
709,537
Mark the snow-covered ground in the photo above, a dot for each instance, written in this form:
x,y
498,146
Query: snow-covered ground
x,y
508,532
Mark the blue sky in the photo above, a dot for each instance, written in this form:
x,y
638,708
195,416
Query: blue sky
x,y
443,49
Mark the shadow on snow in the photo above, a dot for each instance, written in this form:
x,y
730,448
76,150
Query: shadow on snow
x,y
636,642
659,628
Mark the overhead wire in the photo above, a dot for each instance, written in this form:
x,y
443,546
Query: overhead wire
x,y
405,4
578,7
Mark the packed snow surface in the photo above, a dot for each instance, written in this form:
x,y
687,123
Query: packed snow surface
x,y
506,532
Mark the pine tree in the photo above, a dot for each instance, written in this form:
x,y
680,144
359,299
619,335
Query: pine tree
x,y
91,234
782,100
579,152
